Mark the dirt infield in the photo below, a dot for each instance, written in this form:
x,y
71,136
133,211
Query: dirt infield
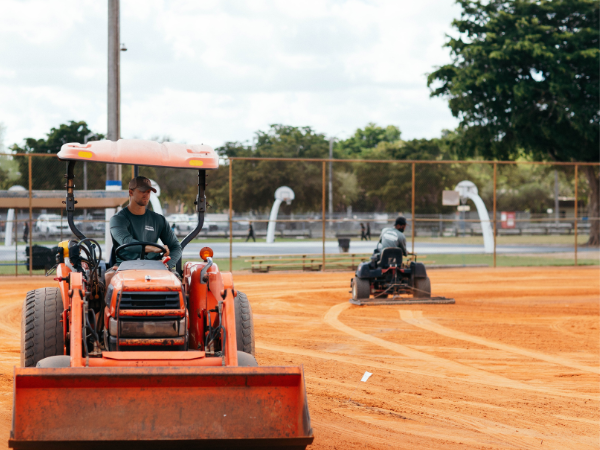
x,y
513,364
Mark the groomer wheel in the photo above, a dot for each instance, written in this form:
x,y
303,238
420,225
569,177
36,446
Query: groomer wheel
x,y
141,244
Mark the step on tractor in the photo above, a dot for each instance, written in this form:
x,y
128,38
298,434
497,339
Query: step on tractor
x,y
157,358
389,280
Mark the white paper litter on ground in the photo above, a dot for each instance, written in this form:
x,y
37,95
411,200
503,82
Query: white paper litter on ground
x,y
366,376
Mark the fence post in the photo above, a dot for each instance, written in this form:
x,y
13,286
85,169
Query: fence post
x,y
412,209
230,215
323,214
30,218
575,209
494,210
15,224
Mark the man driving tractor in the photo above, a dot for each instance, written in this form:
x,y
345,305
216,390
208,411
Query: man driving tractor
x,y
136,223
393,237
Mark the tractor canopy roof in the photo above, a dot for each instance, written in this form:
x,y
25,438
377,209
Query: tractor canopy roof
x,y
142,152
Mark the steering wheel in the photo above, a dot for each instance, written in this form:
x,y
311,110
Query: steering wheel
x,y
139,244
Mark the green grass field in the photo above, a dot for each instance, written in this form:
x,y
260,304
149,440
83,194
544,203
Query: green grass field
x,y
467,240
466,260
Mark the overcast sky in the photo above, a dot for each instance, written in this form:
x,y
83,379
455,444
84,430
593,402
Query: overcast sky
x,y
214,71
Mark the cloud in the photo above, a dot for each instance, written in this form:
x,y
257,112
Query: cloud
x,y
217,71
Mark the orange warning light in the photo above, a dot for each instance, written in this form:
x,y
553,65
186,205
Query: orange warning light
x,y
205,253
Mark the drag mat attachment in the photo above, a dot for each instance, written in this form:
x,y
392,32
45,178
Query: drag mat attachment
x,y
160,408
402,301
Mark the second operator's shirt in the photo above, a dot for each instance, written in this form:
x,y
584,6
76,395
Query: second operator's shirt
x,y
126,227
391,237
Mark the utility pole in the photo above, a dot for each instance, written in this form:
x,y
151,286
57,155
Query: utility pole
x,y
113,171
331,180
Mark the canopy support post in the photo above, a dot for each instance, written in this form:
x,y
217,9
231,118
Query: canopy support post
x,y
200,209
70,200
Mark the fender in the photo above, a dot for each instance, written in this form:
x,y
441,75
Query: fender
x,y
418,269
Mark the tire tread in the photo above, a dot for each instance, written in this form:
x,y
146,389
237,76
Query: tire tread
x,y
244,324
41,327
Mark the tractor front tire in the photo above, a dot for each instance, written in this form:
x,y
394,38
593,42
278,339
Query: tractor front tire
x,y
244,324
361,288
41,326
422,288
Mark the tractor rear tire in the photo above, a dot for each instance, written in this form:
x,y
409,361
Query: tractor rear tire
x,y
361,289
244,324
41,326
422,288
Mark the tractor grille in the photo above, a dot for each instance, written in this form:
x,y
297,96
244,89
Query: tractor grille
x,y
149,300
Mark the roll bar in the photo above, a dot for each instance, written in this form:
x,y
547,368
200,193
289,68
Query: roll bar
x,y
70,200
200,210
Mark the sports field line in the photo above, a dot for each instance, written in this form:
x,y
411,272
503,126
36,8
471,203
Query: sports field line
x,y
416,318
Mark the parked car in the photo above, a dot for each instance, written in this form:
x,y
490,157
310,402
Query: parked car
x,y
97,224
181,221
51,224
206,226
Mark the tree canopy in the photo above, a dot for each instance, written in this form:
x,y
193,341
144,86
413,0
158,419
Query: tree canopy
x,y
524,76
524,81
47,173
367,138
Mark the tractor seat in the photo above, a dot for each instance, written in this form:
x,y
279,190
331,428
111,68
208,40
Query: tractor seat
x,y
391,256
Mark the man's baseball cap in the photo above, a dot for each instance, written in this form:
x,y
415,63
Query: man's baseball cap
x,y
141,183
400,221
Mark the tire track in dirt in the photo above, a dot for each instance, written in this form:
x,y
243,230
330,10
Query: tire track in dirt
x,y
351,432
472,430
416,319
463,428
365,362
435,363
349,360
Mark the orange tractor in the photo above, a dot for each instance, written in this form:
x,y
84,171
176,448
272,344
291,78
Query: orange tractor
x,y
156,358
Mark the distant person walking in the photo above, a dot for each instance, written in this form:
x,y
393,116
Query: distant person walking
x,y
26,232
363,232
251,233
368,236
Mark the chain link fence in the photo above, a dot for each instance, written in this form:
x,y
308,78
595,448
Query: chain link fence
x,y
505,213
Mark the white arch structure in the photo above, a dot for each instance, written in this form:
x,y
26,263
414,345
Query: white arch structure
x,y
10,218
468,190
282,194
154,201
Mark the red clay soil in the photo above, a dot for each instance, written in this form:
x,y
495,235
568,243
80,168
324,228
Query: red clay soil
x,y
513,364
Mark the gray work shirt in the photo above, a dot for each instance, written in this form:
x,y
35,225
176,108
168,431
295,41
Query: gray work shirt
x,y
126,227
391,237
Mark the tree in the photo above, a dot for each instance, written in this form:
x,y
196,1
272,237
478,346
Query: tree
x,y
254,182
48,173
524,81
388,187
367,138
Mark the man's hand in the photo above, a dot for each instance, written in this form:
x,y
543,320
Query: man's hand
x,y
153,249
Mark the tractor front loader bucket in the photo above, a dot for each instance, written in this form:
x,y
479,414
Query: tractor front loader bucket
x,y
160,407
